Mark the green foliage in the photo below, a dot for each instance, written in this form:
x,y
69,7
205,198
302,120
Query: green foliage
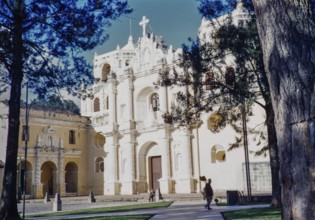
x,y
55,103
216,122
210,84
53,36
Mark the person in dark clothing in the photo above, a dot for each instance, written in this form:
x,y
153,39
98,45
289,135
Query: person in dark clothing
x,y
152,194
208,193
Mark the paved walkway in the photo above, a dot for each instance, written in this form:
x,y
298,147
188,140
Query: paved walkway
x,y
178,210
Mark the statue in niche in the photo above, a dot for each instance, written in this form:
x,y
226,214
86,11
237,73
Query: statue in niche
x,y
49,140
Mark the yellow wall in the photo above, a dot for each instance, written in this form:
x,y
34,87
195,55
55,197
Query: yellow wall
x,y
47,129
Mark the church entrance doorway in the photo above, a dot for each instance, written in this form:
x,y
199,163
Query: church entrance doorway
x,y
156,172
48,178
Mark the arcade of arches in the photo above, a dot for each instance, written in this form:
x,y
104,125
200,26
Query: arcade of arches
x,y
50,179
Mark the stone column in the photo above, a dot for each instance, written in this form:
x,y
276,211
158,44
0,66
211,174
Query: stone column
x,y
112,102
165,182
129,123
61,173
38,187
163,96
131,78
111,186
128,169
185,184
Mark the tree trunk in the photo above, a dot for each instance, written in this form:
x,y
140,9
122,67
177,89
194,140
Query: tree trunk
x,y
274,158
8,202
287,33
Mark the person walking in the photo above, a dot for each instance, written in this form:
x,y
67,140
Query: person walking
x,y
208,194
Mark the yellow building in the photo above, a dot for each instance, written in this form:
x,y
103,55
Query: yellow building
x,y
60,158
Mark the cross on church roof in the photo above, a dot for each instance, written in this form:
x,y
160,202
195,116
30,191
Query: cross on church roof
x,y
144,23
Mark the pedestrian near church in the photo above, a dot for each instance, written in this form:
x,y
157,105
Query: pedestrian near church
x,y
151,196
208,193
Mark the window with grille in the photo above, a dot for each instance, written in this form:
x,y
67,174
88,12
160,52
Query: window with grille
x,y
71,137
155,102
96,105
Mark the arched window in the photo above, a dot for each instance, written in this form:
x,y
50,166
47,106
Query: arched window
x,y
99,165
96,105
155,102
105,72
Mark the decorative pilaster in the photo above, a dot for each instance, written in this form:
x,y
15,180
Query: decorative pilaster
x,y
61,172
111,170
163,96
166,184
112,103
38,186
131,78
185,183
128,169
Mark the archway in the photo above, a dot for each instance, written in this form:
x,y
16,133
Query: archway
x,y
20,177
71,177
149,165
49,177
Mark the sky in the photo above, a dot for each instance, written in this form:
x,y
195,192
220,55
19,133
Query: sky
x,y
174,20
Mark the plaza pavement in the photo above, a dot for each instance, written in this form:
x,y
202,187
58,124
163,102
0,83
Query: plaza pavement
x,y
190,210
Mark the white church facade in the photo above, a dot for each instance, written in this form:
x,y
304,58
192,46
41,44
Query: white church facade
x,y
144,152
121,145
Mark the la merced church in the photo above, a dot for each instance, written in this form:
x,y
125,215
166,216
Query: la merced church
x,y
120,145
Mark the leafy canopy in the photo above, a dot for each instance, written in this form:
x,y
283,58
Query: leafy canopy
x,y
55,33
56,104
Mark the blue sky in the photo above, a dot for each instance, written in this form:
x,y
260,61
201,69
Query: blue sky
x,y
175,20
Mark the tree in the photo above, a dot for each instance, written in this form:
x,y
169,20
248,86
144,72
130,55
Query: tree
x,y
214,83
243,43
55,103
41,42
287,34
